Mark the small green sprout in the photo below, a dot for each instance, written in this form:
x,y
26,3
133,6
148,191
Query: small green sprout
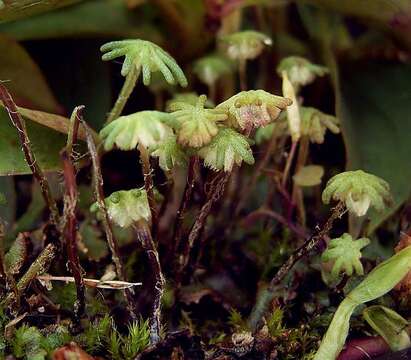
x,y
253,109
211,68
196,126
126,207
315,123
169,153
226,148
147,128
245,45
346,254
146,57
300,71
359,191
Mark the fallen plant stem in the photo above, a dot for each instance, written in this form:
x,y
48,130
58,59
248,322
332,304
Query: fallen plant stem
x,y
106,284
266,297
148,183
39,266
126,90
18,122
98,183
144,237
185,201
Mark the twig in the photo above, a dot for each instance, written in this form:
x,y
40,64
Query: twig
x,y
148,182
185,201
268,295
19,124
107,284
214,193
39,266
112,243
146,240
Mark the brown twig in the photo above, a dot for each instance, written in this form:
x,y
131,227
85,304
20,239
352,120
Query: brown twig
x,y
185,201
39,266
146,240
267,296
112,242
18,122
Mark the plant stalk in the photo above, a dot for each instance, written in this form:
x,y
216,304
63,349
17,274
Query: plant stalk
x,y
242,70
144,236
148,183
126,90
98,183
18,122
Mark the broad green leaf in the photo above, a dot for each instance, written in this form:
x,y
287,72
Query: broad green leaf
x,y
24,79
16,9
94,18
375,103
46,144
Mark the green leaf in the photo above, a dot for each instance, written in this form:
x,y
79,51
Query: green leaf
x,y
375,103
96,18
46,145
24,79
390,325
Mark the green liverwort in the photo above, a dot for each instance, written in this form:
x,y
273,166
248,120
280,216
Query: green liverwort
x,y
147,128
196,125
253,109
226,148
359,191
346,254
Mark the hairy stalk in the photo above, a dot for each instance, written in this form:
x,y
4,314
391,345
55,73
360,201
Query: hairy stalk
x,y
242,70
39,266
148,183
147,243
256,174
126,90
111,240
18,122
267,296
216,189
70,232
185,201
